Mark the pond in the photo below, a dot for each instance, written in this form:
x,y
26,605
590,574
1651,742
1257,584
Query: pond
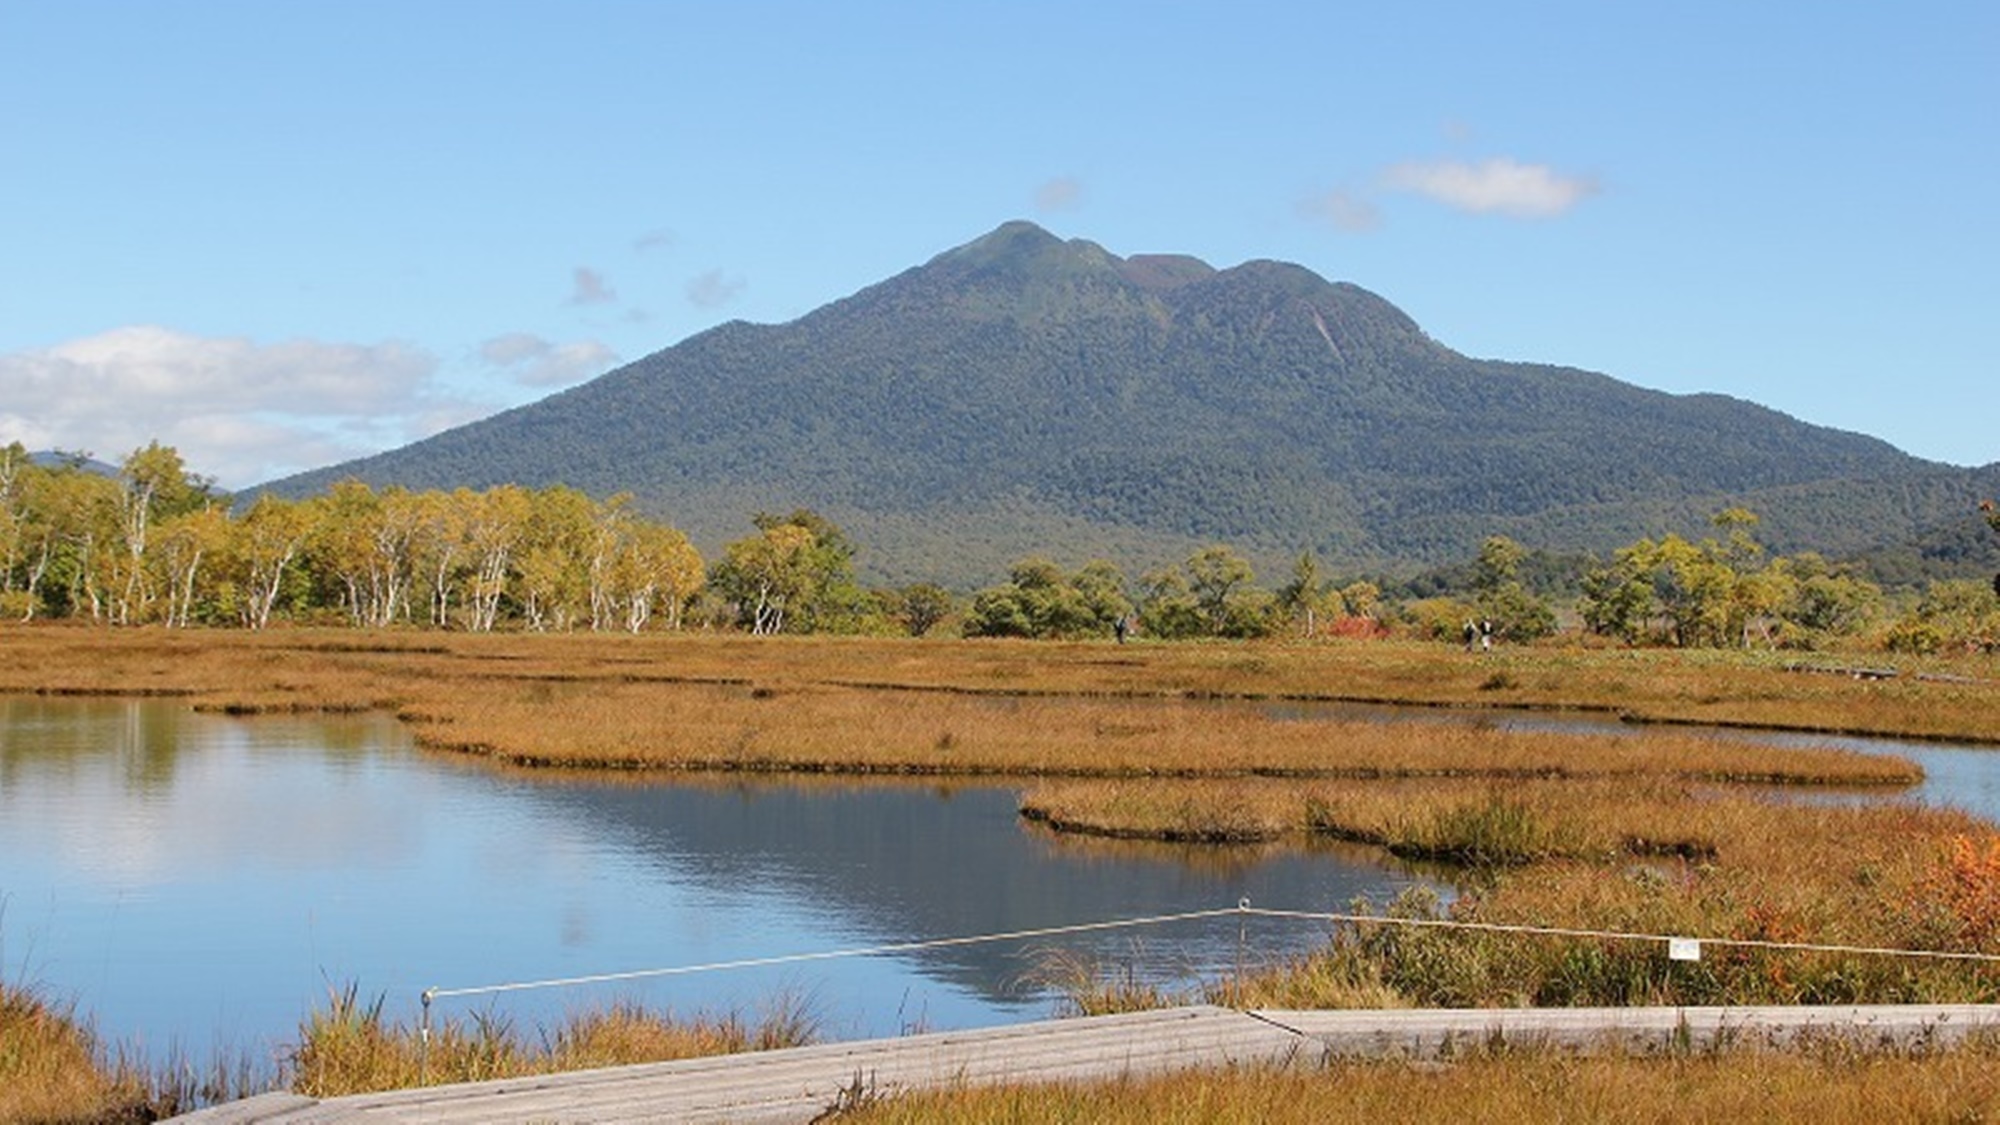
x,y
1965,777
197,882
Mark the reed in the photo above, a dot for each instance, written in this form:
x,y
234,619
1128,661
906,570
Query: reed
x,y
350,1047
309,669
54,1069
842,729
1088,986
1656,832
1832,1084
1653,858
49,1066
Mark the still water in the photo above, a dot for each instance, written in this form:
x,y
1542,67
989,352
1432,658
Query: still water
x,y
1964,777
198,882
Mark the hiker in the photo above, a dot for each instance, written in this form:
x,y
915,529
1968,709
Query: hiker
x,y
1471,632
1486,635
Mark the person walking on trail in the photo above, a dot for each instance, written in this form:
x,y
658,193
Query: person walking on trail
x,y
1486,636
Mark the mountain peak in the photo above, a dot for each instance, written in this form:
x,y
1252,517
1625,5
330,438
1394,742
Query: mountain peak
x,y
1016,238
1025,393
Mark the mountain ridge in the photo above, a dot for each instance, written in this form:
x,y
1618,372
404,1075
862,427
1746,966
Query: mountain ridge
x,y
965,411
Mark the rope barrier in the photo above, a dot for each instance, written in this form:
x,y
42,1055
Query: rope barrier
x,y
1680,947
829,955
1624,935
433,994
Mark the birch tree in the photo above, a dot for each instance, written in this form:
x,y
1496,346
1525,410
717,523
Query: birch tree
x,y
495,524
267,538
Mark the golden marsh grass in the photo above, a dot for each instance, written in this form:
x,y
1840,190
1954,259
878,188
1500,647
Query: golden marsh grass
x,y
1830,1085
49,1066
939,707
1662,831
312,669
349,1047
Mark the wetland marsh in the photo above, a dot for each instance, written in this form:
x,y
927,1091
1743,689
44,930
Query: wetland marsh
x,y
1576,787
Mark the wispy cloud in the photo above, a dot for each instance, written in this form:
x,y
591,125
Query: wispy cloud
x,y
713,290
534,362
1064,193
240,410
1345,210
653,240
512,348
1500,185
590,288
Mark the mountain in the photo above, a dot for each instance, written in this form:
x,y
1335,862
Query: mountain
x,y
1025,394
57,459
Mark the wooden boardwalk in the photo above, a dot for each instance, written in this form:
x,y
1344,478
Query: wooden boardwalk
x,y
798,1084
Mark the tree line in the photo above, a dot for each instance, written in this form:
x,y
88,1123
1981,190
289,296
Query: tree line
x,y
154,543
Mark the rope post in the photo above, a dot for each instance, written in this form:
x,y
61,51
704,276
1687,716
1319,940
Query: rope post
x,y
1242,935
424,1039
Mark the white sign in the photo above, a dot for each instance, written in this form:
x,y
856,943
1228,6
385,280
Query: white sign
x,y
1683,949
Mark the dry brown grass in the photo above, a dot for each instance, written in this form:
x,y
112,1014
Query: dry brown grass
x,y
941,707
1653,833
50,1069
1640,857
306,669
1595,818
1830,1086
349,1047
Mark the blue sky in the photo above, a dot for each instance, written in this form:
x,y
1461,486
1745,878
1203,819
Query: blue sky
x,y
277,235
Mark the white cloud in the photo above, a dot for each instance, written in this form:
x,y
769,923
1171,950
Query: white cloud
x,y
1496,186
590,288
713,290
236,409
1344,210
653,240
513,347
535,362
1063,193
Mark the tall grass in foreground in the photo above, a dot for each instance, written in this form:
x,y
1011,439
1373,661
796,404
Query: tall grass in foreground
x,y
49,1068
1829,1085
349,1047
54,1069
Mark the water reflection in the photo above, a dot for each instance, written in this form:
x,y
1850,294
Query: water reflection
x,y
200,880
880,864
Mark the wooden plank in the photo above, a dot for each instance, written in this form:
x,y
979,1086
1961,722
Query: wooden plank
x,y
1428,1033
796,1085
248,1111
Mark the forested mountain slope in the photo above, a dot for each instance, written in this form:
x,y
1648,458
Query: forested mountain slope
x,y
1025,394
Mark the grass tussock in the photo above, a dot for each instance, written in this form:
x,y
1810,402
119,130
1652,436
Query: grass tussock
x,y
1715,866
452,679
54,1070
49,1069
350,1047
1832,1086
1089,987
1476,822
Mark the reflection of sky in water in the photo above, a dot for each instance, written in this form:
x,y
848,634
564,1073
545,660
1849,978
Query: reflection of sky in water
x,y
1962,777
200,881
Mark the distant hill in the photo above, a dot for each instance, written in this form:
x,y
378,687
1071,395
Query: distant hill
x,y
57,459
1022,394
